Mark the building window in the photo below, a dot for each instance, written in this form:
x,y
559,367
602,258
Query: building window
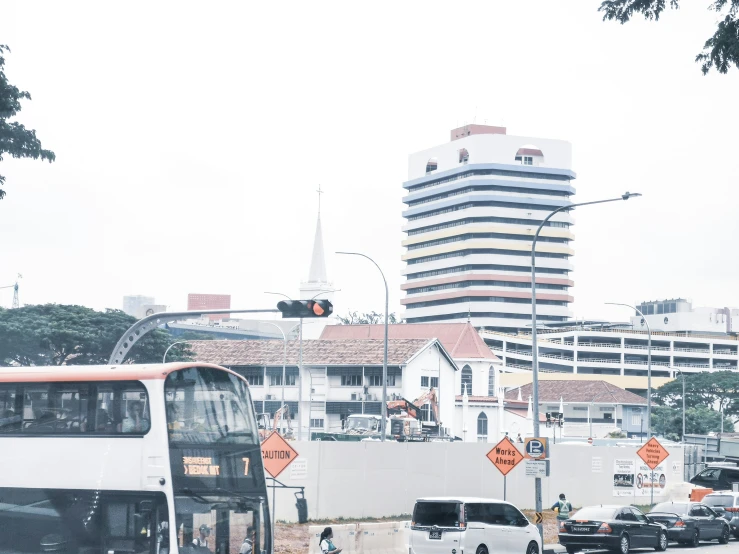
x,y
434,382
491,381
464,156
482,427
376,381
636,419
256,379
425,413
431,165
467,380
608,416
528,160
425,382
275,380
316,423
354,380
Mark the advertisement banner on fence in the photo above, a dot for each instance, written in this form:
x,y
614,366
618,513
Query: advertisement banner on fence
x,y
623,477
646,479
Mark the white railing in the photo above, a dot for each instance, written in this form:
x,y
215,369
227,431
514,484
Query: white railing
x,y
597,361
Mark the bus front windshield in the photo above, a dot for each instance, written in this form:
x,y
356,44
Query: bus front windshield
x,y
220,524
207,405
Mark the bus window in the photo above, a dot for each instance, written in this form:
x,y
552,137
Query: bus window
x,y
109,408
121,408
77,521
207,405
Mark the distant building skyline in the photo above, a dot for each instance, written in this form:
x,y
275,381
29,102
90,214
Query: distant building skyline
x,y
133,303
473,205
200,301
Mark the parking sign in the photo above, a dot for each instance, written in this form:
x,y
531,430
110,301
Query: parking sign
x,y
536,448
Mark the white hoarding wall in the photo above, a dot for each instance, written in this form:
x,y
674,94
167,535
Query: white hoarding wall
x,y
373,479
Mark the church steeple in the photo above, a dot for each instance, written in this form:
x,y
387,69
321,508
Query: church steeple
x,y
318,260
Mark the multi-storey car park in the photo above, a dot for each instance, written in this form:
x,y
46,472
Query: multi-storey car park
x,y
473,206
683,339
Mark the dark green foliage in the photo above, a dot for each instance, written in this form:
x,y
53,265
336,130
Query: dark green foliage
x,y
668,422
371,318
15,139
716,390
719,52
56,334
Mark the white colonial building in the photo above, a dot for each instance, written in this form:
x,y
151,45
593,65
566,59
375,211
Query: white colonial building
x,y
473,205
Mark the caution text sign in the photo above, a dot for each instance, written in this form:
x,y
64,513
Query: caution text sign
x,y
653,453
277,454
505,456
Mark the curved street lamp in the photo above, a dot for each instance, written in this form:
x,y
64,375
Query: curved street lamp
x,y
164,358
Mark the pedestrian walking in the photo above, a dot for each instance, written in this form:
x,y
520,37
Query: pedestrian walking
x,y
519,438
326,544
562,507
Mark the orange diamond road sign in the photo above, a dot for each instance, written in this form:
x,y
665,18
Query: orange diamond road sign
x,y
277,454
653,453
505,456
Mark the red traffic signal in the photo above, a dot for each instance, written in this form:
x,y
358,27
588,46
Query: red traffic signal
x,y
305,308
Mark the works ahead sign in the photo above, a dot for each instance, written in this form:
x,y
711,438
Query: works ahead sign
x,y
505,456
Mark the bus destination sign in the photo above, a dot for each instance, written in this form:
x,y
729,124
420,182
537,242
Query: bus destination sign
x,y
197,465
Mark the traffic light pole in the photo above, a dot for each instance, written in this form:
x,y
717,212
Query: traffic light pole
x,y
151,322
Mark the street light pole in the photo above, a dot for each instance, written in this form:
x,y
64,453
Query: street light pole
x,y
284,362
534,348
164,358
384,359
649,364
682,374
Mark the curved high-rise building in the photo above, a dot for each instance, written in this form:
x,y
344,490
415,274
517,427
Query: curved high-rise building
x,y
473,206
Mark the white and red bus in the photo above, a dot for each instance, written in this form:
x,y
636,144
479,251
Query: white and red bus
x,y
130,459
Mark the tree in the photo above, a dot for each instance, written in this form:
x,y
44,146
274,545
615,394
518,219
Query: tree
x,y
56,334
719,52
371,318
718,390
668,422
15,139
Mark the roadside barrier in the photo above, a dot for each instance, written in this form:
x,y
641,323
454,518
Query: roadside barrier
x,y
390,537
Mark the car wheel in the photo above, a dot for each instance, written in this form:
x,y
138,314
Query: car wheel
x,y
533,548
695,539
481,549
661,542
624,544
725,534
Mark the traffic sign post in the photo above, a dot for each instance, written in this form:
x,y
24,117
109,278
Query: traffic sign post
x,y
653,454
277,455
505,456
536,449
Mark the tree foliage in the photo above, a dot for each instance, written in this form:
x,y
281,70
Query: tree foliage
x,y
56,334
714,391
371,318
719,52
700,420
15,139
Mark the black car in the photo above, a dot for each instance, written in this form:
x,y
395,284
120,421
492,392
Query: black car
x,y
691,522
718,478
618,528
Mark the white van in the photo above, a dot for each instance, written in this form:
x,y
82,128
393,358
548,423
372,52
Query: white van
x,y
462,525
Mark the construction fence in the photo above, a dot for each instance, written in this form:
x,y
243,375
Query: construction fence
x,y
390,537
362,480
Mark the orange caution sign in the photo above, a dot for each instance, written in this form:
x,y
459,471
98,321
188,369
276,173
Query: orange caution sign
x,y
505,456
653,453
277,454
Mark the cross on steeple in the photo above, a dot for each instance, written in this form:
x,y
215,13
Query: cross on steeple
x,y
320,192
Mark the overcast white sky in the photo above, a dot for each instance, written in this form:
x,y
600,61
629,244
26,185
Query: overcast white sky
x,y
190,138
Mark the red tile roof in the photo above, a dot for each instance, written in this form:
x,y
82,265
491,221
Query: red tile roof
x,y
315,352
599,392
461,340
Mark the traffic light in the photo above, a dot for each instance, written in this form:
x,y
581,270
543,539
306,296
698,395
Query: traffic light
x,y
305,308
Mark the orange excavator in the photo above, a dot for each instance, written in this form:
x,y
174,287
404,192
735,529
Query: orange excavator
x,y
405,416
266,428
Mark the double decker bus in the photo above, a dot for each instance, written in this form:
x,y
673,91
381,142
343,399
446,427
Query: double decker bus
x,y
130,459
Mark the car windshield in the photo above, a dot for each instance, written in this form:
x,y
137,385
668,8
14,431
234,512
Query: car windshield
x,y
362,423
593,513
671,508
442,514
719,500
